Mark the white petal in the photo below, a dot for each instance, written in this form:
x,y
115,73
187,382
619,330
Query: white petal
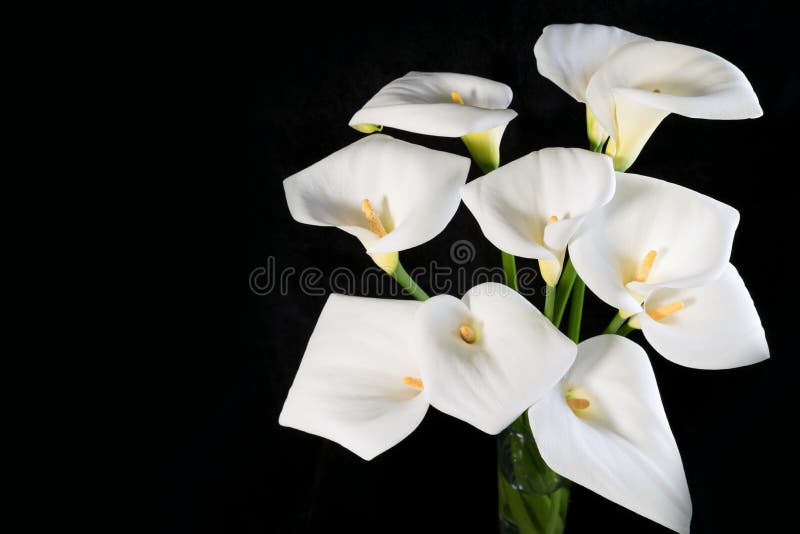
x,y
517,357
414,190
671,78
718,328
622,447
636,122
421,102
691,233
349,387
569,54
514,203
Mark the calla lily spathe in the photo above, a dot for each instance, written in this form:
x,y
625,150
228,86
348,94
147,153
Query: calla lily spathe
x,y
715,326
372,366
443,104
631,83
509,359
357,383
653,234
533,206
390,194
604,427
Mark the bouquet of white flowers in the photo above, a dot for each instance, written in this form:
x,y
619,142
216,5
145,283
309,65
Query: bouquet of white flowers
x,y
565,409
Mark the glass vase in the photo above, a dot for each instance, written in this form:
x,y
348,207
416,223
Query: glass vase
x,y
532,498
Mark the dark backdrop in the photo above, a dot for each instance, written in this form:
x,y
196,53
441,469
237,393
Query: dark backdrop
x,y
296,76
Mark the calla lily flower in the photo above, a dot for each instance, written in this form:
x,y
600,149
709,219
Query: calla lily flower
x,y
604,427
372,366
631,83
488,357
533,206
715,326
653,234
358,384
443,104
389,194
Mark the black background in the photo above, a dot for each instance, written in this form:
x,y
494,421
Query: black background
x,y
294,77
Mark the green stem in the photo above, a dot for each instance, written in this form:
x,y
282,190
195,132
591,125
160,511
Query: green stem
x,y
550,302
513,508
532,498
563,291
556,522
625,330
614,325
510,268
576,310
405,280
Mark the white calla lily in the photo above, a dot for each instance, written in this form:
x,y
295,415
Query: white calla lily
x,y
443,104
531,207
366,384
390,194
653,234
715,326
604,427
358,384
487,357
631,83
569,54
